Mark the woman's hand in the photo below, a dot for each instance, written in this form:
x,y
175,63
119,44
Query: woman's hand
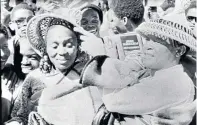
x,y
91,44
181,115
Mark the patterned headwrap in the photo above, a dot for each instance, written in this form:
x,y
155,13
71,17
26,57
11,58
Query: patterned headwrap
x,y
38,27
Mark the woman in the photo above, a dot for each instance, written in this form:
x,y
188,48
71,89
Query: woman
x,y
92,18
29,62
53,38
167,84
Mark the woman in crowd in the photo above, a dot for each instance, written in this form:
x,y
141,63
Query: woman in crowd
x,y
92,18
30,62
162,54
60,71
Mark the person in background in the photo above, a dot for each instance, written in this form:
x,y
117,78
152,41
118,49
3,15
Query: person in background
x,y
9,78
92,19
124,16
30,62
20,16
103,4
191,16
5,11
30,59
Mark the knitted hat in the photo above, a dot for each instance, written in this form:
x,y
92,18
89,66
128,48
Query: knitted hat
x,y
21,6
173,27
97,9
37,29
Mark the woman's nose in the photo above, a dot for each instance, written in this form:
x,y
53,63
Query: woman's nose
x,y
25,61
62,51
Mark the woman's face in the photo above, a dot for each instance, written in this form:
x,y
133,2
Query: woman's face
x,y
90,21
157,56
62,47
30,60
5,52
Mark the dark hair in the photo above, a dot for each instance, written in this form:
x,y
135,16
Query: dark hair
x,y
132,9
17,61
97,9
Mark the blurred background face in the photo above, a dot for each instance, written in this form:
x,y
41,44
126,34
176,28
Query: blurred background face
x,y
192,18
5,52
90,21
30,60
116,25
5,3
21,18
62,47
156,55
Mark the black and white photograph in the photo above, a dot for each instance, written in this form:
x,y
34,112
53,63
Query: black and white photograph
x,y
98,62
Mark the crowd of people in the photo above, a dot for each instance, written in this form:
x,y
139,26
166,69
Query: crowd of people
x,y
61,64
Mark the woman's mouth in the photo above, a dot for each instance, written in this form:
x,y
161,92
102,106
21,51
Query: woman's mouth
x,y
26,67
93,31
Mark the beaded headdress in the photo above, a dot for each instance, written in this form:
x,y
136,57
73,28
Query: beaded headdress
x,y
38,27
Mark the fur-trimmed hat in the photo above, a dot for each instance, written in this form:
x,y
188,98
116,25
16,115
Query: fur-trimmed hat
x,y
173,26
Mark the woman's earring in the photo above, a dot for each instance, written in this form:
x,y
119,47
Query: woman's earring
x,y
45,64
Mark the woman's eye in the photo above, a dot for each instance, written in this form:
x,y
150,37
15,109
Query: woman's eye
x,y
149,49
94,21
69,45
84,22
54,46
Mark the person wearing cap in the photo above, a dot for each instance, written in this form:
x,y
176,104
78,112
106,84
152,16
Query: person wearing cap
x,y
92,18
161,90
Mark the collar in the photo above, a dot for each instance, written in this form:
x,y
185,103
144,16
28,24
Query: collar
x,y
176,68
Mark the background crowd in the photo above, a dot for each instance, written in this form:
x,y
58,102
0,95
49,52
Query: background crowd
x,y
61,62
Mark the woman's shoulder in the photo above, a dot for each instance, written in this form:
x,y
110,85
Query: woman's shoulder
x,y
35,75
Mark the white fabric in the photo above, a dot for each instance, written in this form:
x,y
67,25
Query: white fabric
x,y
167,88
